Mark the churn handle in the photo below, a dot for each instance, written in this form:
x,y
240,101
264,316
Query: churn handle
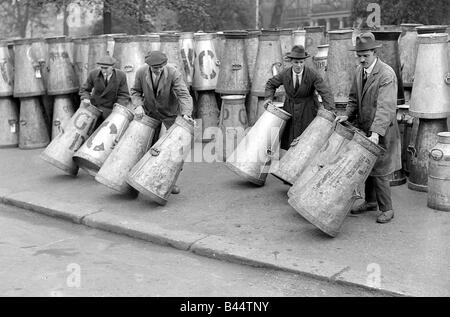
x,y
412,143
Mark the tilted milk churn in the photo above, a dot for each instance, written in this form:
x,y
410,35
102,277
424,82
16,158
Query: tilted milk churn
x,y
233,75
9,123
62,112
341,65
315,36
98,47
341,135
187,55
208,113
305,147
206,64
439,174
408,47
81,59
136,141
299,37
320,60
7,71
157,172
33,132
327,198
232,123
170,45
60,151
253,156
62,78
251,50
93,153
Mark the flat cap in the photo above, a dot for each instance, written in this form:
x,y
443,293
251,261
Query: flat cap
x,y
106,60
156,58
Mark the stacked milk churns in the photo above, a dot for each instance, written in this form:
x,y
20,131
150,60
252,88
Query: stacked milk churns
x,y
408,47
315,36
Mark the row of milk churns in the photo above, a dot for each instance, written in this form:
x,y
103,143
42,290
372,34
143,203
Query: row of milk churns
x,y
119,153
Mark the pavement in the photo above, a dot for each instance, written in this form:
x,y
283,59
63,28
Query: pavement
x,y
218,215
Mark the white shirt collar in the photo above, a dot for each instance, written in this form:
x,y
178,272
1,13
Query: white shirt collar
x,y
299,74
370,69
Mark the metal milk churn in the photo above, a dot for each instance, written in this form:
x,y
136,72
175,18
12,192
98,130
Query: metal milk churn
x,y
219,44
206,64
136,141
286,41
405,123
81,58
408,47
62,112
251,50
299,37
33,132
315,36
93,153
98,47
9,123
62,78
341,135
253,156
320,60
429,29
341,65
7,71
327,198
208,112
233,75
187,55
157,172
152,43
304,148
170,45
60,151
439,174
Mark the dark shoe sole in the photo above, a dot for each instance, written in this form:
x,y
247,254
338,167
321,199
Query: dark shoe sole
x,y
360,211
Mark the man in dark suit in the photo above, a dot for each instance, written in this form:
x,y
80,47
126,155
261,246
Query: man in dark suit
x,y
106,86
300,83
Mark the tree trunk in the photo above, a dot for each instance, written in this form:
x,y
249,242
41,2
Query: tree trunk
x,y
277,13
107,17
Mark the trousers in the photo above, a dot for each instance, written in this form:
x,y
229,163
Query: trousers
x,y
378,189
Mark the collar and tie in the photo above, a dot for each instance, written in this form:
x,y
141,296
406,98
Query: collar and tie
x,y
297,81
364,80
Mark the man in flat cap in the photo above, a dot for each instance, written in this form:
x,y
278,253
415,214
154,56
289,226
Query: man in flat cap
x,y
106,86
372,105
300,83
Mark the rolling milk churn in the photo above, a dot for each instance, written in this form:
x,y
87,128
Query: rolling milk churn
x,y
7,71
9,123
299,37
206,64
320,60
304,148
232,123
170,45
439,174
341,65
62,112
233,75
93,153
219,44
253,156
389,53
33,132
157,172
315,36
286,43
129,54
187,55
327,198
208,112
81,59
136,141
98,47
62,78
341,135
408,47
60,151
251,50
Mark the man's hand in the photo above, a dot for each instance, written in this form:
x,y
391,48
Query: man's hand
x,y
266,103
375,138
188,118
139,112
340,119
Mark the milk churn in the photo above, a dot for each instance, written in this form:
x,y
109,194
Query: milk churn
x,y
81,59
430,97
157,172
341,135
232,123
62,78
151,42
7,71
424,136
219,44
170,45
328,196
408,47
320,60
208,113
98,47
405,123
286,41
315,36
252,109
29,67
268,61
233,75
304,148
33,131
206,64
93,153
60,151
62,112
341,64
9,123
389,53
136,141
129,54
251,50
299,37
187,55
111,41
253,156
428,29
439,174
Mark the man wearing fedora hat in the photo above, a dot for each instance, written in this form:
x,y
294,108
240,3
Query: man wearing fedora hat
x,y
373,105
106,86
300,83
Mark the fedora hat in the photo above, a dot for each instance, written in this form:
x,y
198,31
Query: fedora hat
x,y
106,60
365,42
298,52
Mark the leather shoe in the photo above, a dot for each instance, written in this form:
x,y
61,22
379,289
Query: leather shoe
x,y
363,208
175,189
385,216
